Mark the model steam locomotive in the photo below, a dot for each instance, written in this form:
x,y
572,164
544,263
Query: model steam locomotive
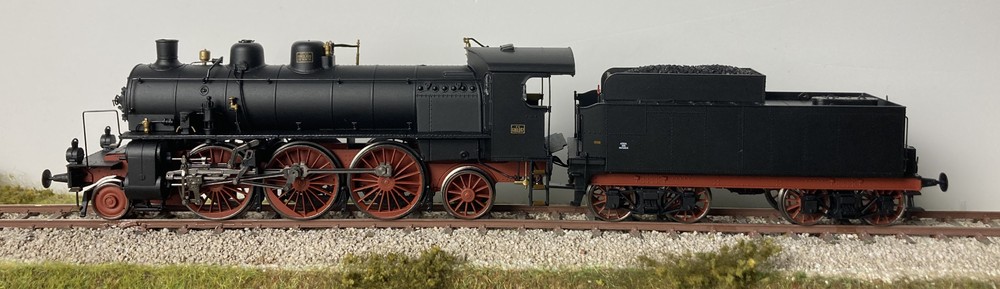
x,y
220,137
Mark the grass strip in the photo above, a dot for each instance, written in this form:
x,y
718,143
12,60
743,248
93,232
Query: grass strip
x,y
730,267
16,194
12,193
61,275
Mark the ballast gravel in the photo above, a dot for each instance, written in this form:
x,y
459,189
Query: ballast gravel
x,y
887,258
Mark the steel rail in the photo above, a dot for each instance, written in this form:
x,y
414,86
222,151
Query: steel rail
x,y
560,209
191,224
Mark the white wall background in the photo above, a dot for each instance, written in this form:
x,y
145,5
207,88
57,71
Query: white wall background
x,y
939,58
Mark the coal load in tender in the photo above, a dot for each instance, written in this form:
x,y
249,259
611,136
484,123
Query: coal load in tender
x,y
693,69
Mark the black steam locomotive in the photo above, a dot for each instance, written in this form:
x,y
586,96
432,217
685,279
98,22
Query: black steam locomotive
x,y
219,137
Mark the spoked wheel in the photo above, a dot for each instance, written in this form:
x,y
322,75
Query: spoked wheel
x,y
221,201
395,188
467,193
772,197
696,211
882,208
598,197
110,202
793,205
309,196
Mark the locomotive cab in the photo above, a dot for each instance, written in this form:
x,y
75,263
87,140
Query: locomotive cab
x,y
517,120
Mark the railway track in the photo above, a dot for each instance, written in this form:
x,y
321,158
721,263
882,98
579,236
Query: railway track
x,y
70,208
556,224
983,216
190,224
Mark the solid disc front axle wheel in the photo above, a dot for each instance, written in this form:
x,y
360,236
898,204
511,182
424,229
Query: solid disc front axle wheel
x,y
308,197
468,194
221,201
397,190
110,202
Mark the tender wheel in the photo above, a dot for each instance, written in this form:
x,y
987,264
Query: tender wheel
x,y
598,199
468,193
881,212
694,213
309,196
110,202
772,197
222,201
791,203
395,189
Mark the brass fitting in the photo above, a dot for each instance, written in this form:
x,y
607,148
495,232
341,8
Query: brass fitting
x,y
469,40
327,48
204,56
145,125
527,183
357,53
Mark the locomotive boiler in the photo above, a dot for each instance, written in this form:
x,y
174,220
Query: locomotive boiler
x,y
220,136
314,98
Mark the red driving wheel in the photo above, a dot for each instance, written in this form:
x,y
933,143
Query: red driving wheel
x,y
309,196
397,186
220,201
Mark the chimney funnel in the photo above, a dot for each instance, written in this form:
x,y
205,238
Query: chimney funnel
x,y
166,54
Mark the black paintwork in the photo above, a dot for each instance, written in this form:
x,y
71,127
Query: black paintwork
x,y
541,60
311,99
147,166
783,137
166,55
702,86
677,122
246,54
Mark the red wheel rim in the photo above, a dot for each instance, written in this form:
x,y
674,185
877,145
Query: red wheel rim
x,y
110,202
310,196
468,194
598,197
791,206
387,196
703,200
873,214
222,201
